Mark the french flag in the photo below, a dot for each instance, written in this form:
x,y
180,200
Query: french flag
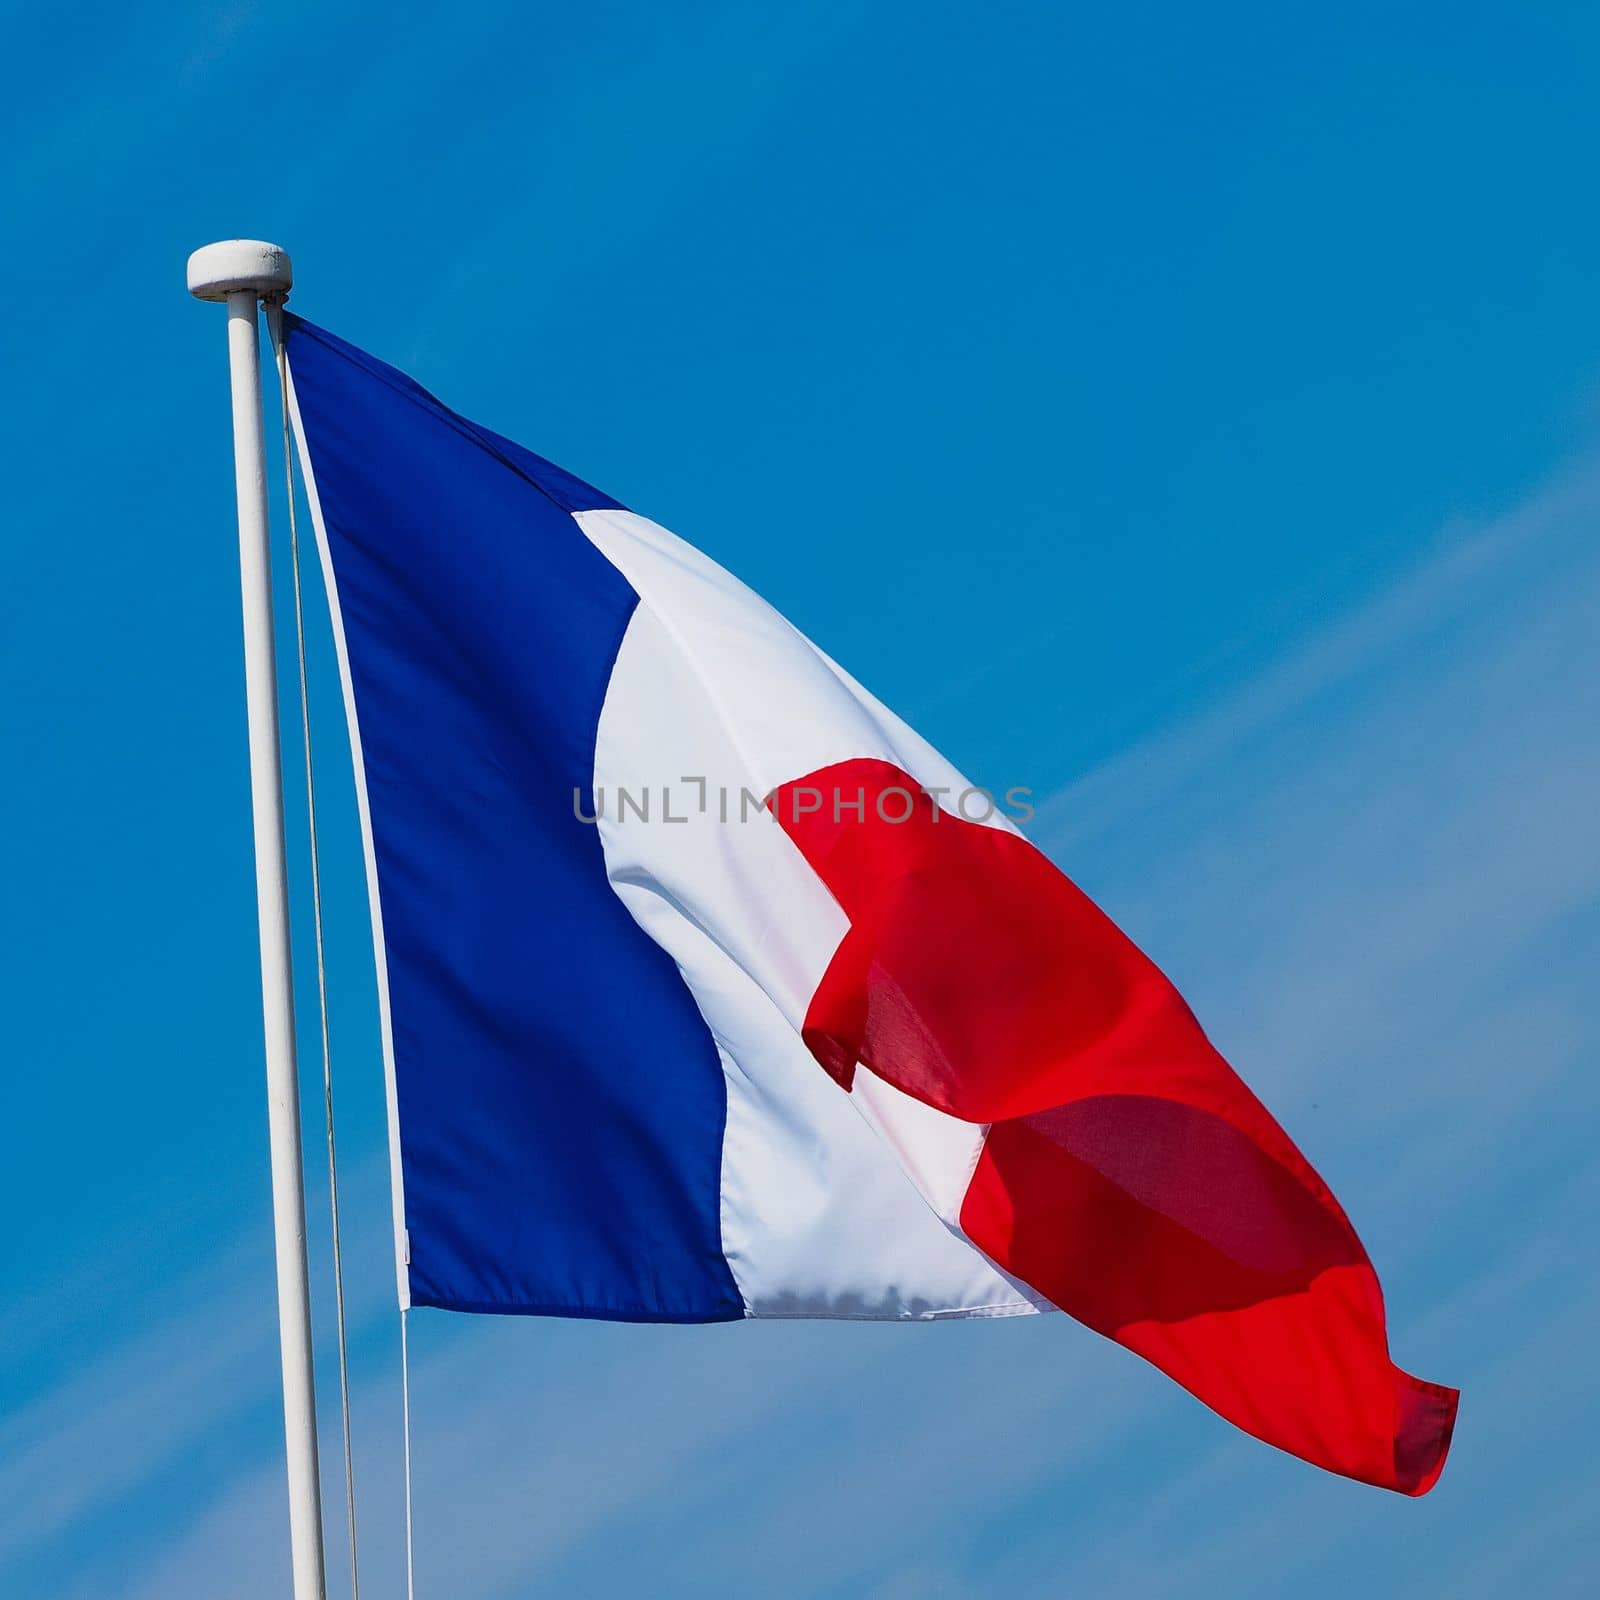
x,y
709,990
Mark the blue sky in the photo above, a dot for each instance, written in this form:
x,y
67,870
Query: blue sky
x,y
1193,415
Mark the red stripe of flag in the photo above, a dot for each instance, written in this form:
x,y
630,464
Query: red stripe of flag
x,y
1128,1174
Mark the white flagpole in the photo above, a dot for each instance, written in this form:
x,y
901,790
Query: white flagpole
x,y
242,272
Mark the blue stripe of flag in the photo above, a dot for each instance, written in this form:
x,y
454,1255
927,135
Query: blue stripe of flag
x,y
561,1105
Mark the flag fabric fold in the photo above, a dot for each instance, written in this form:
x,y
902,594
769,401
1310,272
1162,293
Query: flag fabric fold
x,y
709,990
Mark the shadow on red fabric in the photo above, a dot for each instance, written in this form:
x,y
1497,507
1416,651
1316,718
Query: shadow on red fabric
x,y
1128,1174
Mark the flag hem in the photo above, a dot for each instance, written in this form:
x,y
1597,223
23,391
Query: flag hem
x,y
368,852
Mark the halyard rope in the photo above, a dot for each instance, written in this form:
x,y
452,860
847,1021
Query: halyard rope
x,y
275,327
405,1412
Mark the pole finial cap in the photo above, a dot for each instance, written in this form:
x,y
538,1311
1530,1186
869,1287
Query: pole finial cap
x,y
218,270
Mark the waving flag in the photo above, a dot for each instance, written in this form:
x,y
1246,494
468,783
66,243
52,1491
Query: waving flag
x,y
709,990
